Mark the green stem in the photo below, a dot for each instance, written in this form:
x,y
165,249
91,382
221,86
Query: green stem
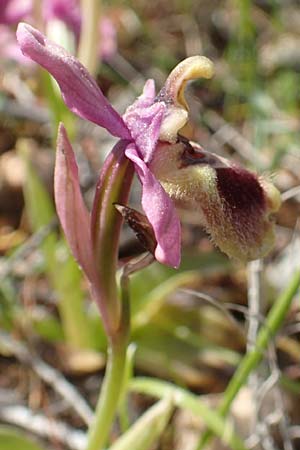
x,y
113,383
128,375
109,397
253,358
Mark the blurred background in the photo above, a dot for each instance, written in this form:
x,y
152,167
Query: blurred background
x,y
190,326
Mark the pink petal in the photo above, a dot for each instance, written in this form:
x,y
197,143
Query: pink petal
x,y
160,212
71,210
147,97
79,90
144,118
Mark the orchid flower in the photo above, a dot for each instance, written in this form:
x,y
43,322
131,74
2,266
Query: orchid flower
x,y
139,131
235,205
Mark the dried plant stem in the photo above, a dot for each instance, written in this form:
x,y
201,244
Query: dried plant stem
x,y
257,376
254,300
49,375
89,36
253,357
42,426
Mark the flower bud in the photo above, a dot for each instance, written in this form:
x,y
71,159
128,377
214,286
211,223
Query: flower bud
x,y
234,205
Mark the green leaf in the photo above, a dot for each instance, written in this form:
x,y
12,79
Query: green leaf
x,y
147,429
144,281
191,402
48,327
156,297
8,303
13,439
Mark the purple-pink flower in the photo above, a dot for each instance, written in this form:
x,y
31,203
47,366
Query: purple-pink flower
x,y
138,130
234,205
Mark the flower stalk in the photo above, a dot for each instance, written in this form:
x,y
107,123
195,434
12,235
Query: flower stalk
x,y
113,186
115,374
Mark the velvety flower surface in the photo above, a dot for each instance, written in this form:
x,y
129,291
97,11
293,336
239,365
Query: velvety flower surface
x,y
234,205
139,130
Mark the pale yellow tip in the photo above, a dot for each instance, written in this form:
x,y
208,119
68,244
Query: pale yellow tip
x,y
191,68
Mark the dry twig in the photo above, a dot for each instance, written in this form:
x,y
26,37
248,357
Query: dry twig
x,y
50,376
